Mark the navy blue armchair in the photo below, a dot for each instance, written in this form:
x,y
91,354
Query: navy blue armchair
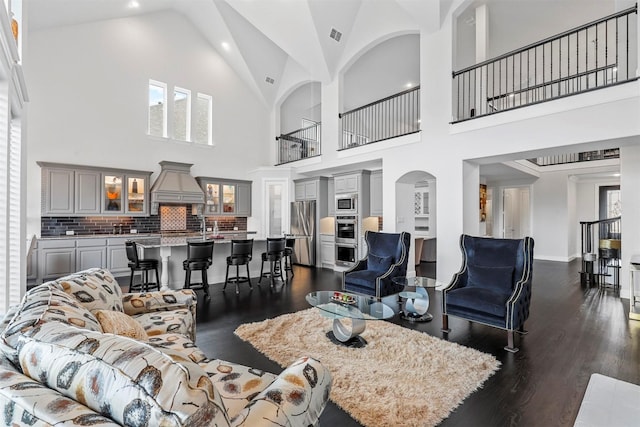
x,y
387,258
493,286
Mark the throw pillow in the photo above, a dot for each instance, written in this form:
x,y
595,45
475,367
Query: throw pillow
x,y
95,289
498,279
115,322
379,263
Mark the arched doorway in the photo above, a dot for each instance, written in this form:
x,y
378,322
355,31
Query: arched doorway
x,y
416,214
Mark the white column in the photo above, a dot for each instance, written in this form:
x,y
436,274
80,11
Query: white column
x,y
630,226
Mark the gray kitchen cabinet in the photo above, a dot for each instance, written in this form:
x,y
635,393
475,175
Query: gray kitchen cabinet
x,y
225,197
76,190
243,205
331,197
91,253
327,251
57,257
87,192
346,183
375,200
306,190
117,261
58,191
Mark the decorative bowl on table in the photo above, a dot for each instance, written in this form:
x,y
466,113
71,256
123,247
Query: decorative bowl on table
x,y
343,298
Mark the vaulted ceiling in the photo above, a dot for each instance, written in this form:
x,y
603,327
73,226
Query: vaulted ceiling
x,y
274,45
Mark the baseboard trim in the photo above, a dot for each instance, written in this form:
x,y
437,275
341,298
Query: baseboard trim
x,y
553,258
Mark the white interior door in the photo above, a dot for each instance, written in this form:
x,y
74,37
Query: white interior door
x,y
516,213
276,213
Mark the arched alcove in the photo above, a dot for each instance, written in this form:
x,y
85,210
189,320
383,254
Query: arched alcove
x,y
416,214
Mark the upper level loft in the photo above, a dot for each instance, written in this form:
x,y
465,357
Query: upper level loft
x,y
595,55
592,56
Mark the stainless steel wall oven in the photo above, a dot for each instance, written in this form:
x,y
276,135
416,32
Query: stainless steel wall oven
x,y
347,229
346,254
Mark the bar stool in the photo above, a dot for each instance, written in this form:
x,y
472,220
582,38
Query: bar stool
x,y
241,254
143,265
273,255
199,257
288,251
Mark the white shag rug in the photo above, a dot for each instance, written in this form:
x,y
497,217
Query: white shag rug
x,y
401,377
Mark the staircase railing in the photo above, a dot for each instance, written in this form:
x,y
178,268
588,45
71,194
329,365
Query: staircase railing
x,y
601,248
299,144
393,116
599,54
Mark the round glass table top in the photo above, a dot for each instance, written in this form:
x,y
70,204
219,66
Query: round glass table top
x,y
340,305
420,282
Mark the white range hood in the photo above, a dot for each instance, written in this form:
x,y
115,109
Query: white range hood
x,y
175,185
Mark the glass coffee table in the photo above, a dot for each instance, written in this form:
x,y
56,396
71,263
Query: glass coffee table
x,y
349,313
416,304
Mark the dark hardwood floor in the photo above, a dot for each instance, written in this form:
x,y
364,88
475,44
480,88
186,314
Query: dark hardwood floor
x,y
574,331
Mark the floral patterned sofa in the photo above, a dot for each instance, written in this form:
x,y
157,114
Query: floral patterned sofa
x,y
77,352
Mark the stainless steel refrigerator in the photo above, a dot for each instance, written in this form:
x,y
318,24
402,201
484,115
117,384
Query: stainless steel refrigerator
x,y
303,231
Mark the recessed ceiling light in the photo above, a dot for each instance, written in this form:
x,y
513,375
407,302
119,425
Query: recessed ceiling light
x,y
133,4
409,85
226,46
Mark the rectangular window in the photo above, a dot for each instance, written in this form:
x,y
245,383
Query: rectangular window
x,y
157,109
181,114
202,120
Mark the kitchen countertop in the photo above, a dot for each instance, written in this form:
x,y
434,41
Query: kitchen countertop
x,y
165,241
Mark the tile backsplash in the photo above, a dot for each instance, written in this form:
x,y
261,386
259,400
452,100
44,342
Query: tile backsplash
x,y
173,217
89,225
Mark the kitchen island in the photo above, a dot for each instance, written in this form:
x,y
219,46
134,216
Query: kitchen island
x,y
172,250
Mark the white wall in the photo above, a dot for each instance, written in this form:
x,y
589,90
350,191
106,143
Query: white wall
x,y
302,103
382,71
630,197
88,90
573,250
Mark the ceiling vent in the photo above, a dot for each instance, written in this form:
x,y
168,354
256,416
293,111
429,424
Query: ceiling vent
x,y
269,80
335,34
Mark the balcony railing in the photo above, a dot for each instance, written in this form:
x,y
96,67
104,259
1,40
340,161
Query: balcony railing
x,y
300,144
599,54
390,117
587,156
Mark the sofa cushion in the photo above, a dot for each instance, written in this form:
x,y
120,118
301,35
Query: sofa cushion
x,y
236,384
362,278
47,303
379,264
116,322
95,289
164,322
497,279
26,402
132,383
479,299
179,343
